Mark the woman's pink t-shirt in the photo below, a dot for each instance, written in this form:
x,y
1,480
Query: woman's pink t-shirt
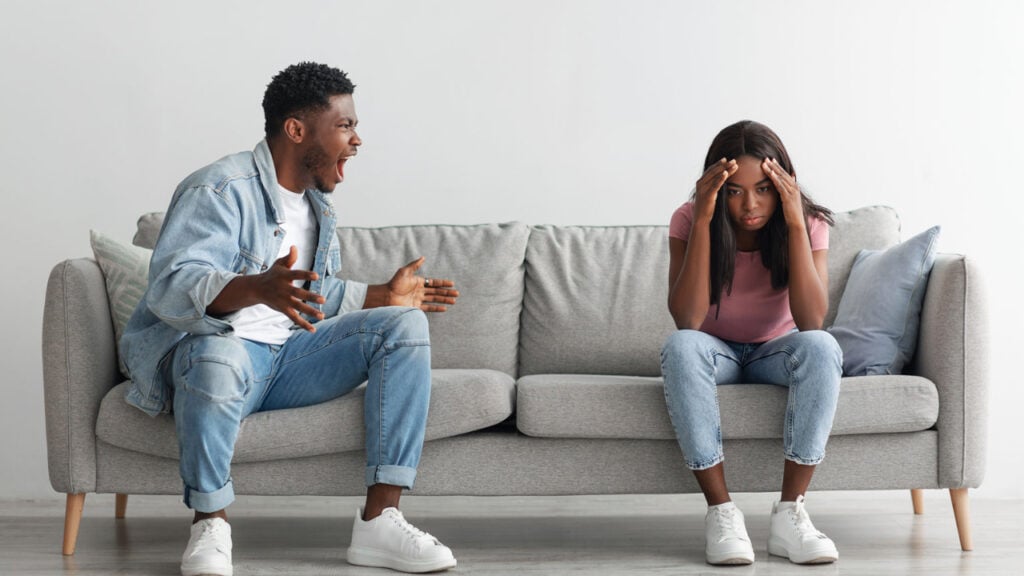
x,y
754,311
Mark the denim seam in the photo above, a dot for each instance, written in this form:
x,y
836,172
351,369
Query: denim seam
x,y
382,391
791,364
193,390
356,332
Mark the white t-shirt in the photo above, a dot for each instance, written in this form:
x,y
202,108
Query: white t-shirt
x,y
262,323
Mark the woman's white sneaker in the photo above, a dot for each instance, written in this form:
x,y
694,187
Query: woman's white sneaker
x,y
726,537
793,536
208,550
389,541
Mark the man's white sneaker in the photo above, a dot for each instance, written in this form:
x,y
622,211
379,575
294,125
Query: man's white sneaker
x,y
208,550
725,535
389,541
793,536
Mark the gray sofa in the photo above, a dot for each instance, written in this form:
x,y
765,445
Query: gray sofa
x,y
546,381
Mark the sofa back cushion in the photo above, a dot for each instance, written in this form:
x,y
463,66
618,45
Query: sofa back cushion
x,y
486,262
595,300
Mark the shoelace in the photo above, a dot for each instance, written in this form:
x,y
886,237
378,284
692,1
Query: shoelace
x,y
804,527
417,535
210,536
727,524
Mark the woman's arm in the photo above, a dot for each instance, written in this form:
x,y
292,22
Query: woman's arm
x,y
689,269
808,271
688,285
808,282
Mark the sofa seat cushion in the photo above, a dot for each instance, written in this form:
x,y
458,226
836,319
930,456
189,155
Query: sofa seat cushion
x,y
461,401
599,406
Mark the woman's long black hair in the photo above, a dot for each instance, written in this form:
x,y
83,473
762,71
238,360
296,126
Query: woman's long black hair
x,y
749,138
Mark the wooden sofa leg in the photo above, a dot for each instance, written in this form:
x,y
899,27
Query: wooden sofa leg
x,y
120,505
962,514
72,519
917,497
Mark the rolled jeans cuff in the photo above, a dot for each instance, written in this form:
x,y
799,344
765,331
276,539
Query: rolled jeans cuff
x,y
804,461
704,465
403,476
210,501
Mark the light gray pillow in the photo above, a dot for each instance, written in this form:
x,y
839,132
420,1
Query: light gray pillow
x,y
126,274
880,310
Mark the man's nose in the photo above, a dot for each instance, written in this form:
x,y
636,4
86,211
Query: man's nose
x,y
356,140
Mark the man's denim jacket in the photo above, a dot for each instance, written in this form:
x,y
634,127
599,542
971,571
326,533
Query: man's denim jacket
x,y
223,221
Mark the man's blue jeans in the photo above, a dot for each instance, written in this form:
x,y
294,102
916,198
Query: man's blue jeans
x,y
694,363
221,379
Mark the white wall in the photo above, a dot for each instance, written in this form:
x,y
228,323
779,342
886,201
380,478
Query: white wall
x,y
577,112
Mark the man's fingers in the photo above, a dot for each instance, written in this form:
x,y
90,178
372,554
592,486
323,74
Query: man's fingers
x,y
293,275
433,308
442,292
299,320
288,260
432,283
440,299
415,264
302,295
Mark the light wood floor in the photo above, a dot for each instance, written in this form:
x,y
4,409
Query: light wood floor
x,y
876,533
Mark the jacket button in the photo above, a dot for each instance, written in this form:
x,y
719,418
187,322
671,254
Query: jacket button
x,y
263,268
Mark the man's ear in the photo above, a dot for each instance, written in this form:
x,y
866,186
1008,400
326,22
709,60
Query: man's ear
x,y
295,130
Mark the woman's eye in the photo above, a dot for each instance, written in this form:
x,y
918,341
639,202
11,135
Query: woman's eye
x,y
764,189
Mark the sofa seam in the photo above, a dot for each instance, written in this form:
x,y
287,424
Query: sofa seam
x,y
963,367
67,373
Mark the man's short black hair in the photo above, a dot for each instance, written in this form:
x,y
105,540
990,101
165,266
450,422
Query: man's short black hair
x,y
300,88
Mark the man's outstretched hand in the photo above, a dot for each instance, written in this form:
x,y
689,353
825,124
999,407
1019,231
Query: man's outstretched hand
x,y
273,288
407,289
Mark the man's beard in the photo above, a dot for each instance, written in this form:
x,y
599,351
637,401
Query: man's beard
x,y
315,160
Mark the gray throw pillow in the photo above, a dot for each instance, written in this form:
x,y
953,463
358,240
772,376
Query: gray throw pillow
x,y
880,310
126,274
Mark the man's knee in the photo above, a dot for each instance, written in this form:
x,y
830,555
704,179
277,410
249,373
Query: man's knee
x,y
217,368
409,325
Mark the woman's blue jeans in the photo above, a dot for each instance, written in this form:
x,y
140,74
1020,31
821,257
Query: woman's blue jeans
x,y
694,363
221,379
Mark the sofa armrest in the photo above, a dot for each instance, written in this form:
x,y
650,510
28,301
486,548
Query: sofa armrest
x,y
953,352
79,368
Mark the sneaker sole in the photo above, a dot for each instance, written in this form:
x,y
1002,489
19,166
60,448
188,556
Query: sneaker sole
x,y
378,559
207,571
730,561
776,548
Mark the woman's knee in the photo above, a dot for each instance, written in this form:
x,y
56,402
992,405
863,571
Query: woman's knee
x,y
820,344
684,345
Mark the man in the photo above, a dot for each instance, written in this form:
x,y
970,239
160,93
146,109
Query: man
x,y
244,313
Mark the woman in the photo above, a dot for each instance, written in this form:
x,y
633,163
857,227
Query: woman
x,y
748,290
